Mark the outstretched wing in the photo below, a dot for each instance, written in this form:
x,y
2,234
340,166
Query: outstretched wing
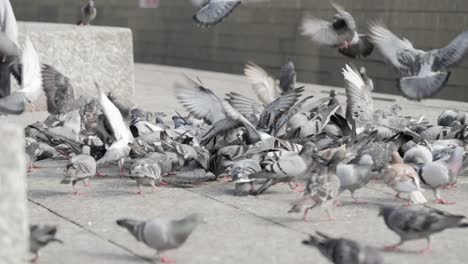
x,y
199,101
214,12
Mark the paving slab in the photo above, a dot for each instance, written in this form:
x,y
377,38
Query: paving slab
x,y
238,229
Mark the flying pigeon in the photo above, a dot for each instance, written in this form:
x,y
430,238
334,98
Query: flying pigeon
x,y
421,74
212,12
9,51
341,33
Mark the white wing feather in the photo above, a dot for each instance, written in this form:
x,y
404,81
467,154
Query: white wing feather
x,y
264,85
116,121
31,72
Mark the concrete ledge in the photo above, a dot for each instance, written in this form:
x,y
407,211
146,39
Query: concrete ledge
x,y
14,229
85,54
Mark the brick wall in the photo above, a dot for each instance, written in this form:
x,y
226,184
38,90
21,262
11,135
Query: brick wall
x,y
268,34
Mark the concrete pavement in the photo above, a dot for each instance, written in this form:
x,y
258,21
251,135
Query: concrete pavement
x,y
238,229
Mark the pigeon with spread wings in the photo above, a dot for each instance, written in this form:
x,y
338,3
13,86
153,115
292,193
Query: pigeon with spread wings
x,y
341,33
420,74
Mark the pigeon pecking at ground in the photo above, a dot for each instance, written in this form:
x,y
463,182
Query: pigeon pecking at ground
x,y
344,251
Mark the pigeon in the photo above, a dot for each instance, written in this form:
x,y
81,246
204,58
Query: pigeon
x,y
359,103
344,251
202,103
340,33
80,168
145,170
60,92
71,127
162,234
88,14
447,117
39,237
418,223
402,178
33,152
31,82
421,74
355,176
443,173
287,79
212,12
120,149
9,51
418,155
322,189
286,168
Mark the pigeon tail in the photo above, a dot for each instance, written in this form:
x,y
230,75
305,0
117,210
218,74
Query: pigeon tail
x,y
417,197
128,223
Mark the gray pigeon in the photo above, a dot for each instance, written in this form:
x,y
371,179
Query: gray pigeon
x,y
340,33
286,168
30,80
80,168
418,223
39,237
447,117
88,13
162,234
287,79
60,92
322,189
213,12
9,50
355,176
145,171
421,74
344,251
33,151
443,173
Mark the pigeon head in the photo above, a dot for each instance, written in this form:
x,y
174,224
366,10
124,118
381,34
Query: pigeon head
x,y
309,148
366,160
332,93
385,211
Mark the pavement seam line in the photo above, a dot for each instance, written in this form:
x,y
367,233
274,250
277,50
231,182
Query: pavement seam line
x,y
248,212
89,230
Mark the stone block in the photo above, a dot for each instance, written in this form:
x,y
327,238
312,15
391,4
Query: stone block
x,y
14,229
85,55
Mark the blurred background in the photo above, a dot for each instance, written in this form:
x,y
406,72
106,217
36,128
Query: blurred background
x,y
267,33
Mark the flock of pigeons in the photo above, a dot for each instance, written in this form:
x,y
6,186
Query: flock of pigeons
x,y
317,146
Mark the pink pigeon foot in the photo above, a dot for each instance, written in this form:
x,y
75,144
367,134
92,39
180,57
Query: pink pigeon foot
x,y
392,248
360,202
451,186
338,203
167,260
443,201
426,250
98,174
